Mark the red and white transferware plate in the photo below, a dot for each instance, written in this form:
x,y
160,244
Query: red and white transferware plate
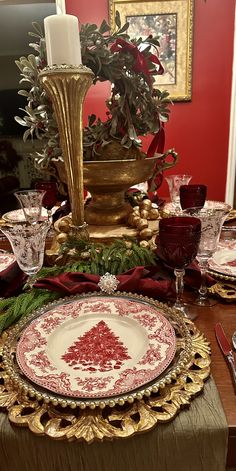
x,y
209,204
6,259
18,215
224,259
96,347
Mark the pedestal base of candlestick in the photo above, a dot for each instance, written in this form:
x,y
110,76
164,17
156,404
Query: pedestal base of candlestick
x,y
80,232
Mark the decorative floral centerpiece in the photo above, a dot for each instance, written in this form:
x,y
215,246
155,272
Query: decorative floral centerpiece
x,y
134,108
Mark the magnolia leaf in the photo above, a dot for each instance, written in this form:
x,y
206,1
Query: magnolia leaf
x,y
117,20
164,118
124,140
124,28
91,28
41,107
20,121
26,134
23,93
35,46
105,143
132,133
32,60
34,35
104,27
26,80
91,119
128,144
25,62
137,41
19,65
164,94
153,41
37,27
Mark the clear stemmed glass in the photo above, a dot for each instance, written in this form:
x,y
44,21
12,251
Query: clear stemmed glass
x,y
174,183
28,242
212,221
31,202
177,244
192,196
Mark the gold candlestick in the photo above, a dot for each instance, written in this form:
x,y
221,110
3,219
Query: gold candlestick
x,y
67,87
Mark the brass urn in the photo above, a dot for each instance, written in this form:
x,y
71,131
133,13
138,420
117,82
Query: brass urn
x,y
107,181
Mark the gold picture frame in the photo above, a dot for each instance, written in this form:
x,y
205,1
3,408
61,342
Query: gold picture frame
x,y
174,20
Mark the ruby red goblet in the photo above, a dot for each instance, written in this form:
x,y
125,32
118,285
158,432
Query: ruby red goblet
x,y
51,194
192,196
178,242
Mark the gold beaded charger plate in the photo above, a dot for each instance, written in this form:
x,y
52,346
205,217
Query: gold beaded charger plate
x,y
231,216
17,215
223,262
177,360
6,260
170,208
60,418
98,346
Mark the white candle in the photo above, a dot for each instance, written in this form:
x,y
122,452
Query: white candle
x,y
60,7
62,40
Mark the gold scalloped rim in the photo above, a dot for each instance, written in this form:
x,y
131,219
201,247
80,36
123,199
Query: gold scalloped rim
x,y
182,358
118,422
220,276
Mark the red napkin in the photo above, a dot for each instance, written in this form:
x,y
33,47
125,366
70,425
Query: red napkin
x,y
12,280
137,280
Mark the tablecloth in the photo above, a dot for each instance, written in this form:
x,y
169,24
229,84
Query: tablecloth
x,y
196,440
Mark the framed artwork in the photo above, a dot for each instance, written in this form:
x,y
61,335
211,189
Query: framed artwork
x,y
172,22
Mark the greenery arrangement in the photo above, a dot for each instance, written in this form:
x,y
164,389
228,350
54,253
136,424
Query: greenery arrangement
x,y
134,108
98,259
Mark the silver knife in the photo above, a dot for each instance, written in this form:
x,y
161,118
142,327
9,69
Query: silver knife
x,y
226,350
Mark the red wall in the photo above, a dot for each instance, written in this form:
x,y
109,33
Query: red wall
x,y
199,129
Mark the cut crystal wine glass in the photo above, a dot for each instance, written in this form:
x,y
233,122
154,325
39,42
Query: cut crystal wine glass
x,y
28,242
212,220
177,242
174,184
31,202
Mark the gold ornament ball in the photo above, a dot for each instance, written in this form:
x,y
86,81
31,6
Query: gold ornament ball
x,y
144,244
64,225
61,238
146,204
144,214
146,234
142,224
153,214
136,220
131,220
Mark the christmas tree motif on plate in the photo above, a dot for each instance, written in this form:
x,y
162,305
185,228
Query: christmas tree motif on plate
x,y
99,349
231,264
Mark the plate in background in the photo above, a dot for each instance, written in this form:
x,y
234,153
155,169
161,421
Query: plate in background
x,y
6,260
170,208
18,215
224,259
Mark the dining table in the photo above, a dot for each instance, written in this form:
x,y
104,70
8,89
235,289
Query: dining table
x,y
207,318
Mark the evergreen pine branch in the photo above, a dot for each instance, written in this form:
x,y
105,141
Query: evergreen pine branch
x,y
115,259
18,307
